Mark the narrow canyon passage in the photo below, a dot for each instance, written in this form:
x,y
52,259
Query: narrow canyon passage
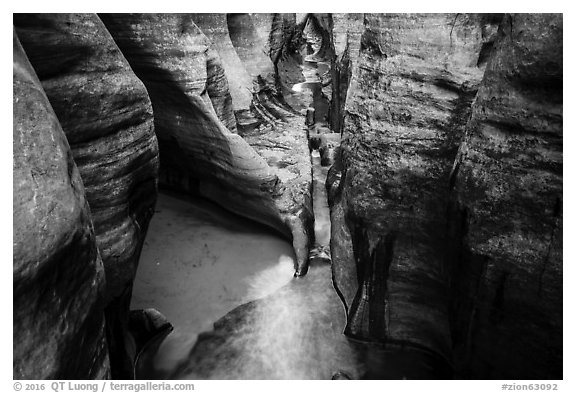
x,y
287,196
200,262
227,286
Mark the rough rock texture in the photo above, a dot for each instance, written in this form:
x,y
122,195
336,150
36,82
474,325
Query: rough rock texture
x,y
507,211
199,154
285,148
243,44
407,102
345,42
58,320
106,114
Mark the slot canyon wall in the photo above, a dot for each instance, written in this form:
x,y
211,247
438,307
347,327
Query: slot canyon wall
x,y
445,194
406,106
126,92
58,316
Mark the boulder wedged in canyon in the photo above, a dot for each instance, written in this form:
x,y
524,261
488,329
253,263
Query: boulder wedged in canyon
x,y
148,328
199,154
407,102
106,114
58,276
506,215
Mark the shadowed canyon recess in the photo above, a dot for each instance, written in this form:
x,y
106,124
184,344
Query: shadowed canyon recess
x,y
287,196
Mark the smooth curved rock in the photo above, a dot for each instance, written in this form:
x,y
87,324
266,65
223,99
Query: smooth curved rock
x,y
199,154
106,114
58,320
250,47
507,210
215,27
148,329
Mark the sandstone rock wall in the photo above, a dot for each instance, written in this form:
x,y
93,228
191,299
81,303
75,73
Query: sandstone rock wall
x,y
345,40
199,154
250,46
106,115
408,98
215,27
447,200
58,320
507,210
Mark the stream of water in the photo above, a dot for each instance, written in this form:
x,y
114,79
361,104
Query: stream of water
x,y
199,262
227,286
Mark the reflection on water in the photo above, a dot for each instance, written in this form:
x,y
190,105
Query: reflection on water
x,y
295,333
199,262
321,209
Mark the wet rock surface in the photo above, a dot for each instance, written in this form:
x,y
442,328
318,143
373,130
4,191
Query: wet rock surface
x,y
255,341
58,318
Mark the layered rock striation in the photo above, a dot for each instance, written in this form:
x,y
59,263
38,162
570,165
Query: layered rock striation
x,y
106,114
199,154
240,82
58,276
445,194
